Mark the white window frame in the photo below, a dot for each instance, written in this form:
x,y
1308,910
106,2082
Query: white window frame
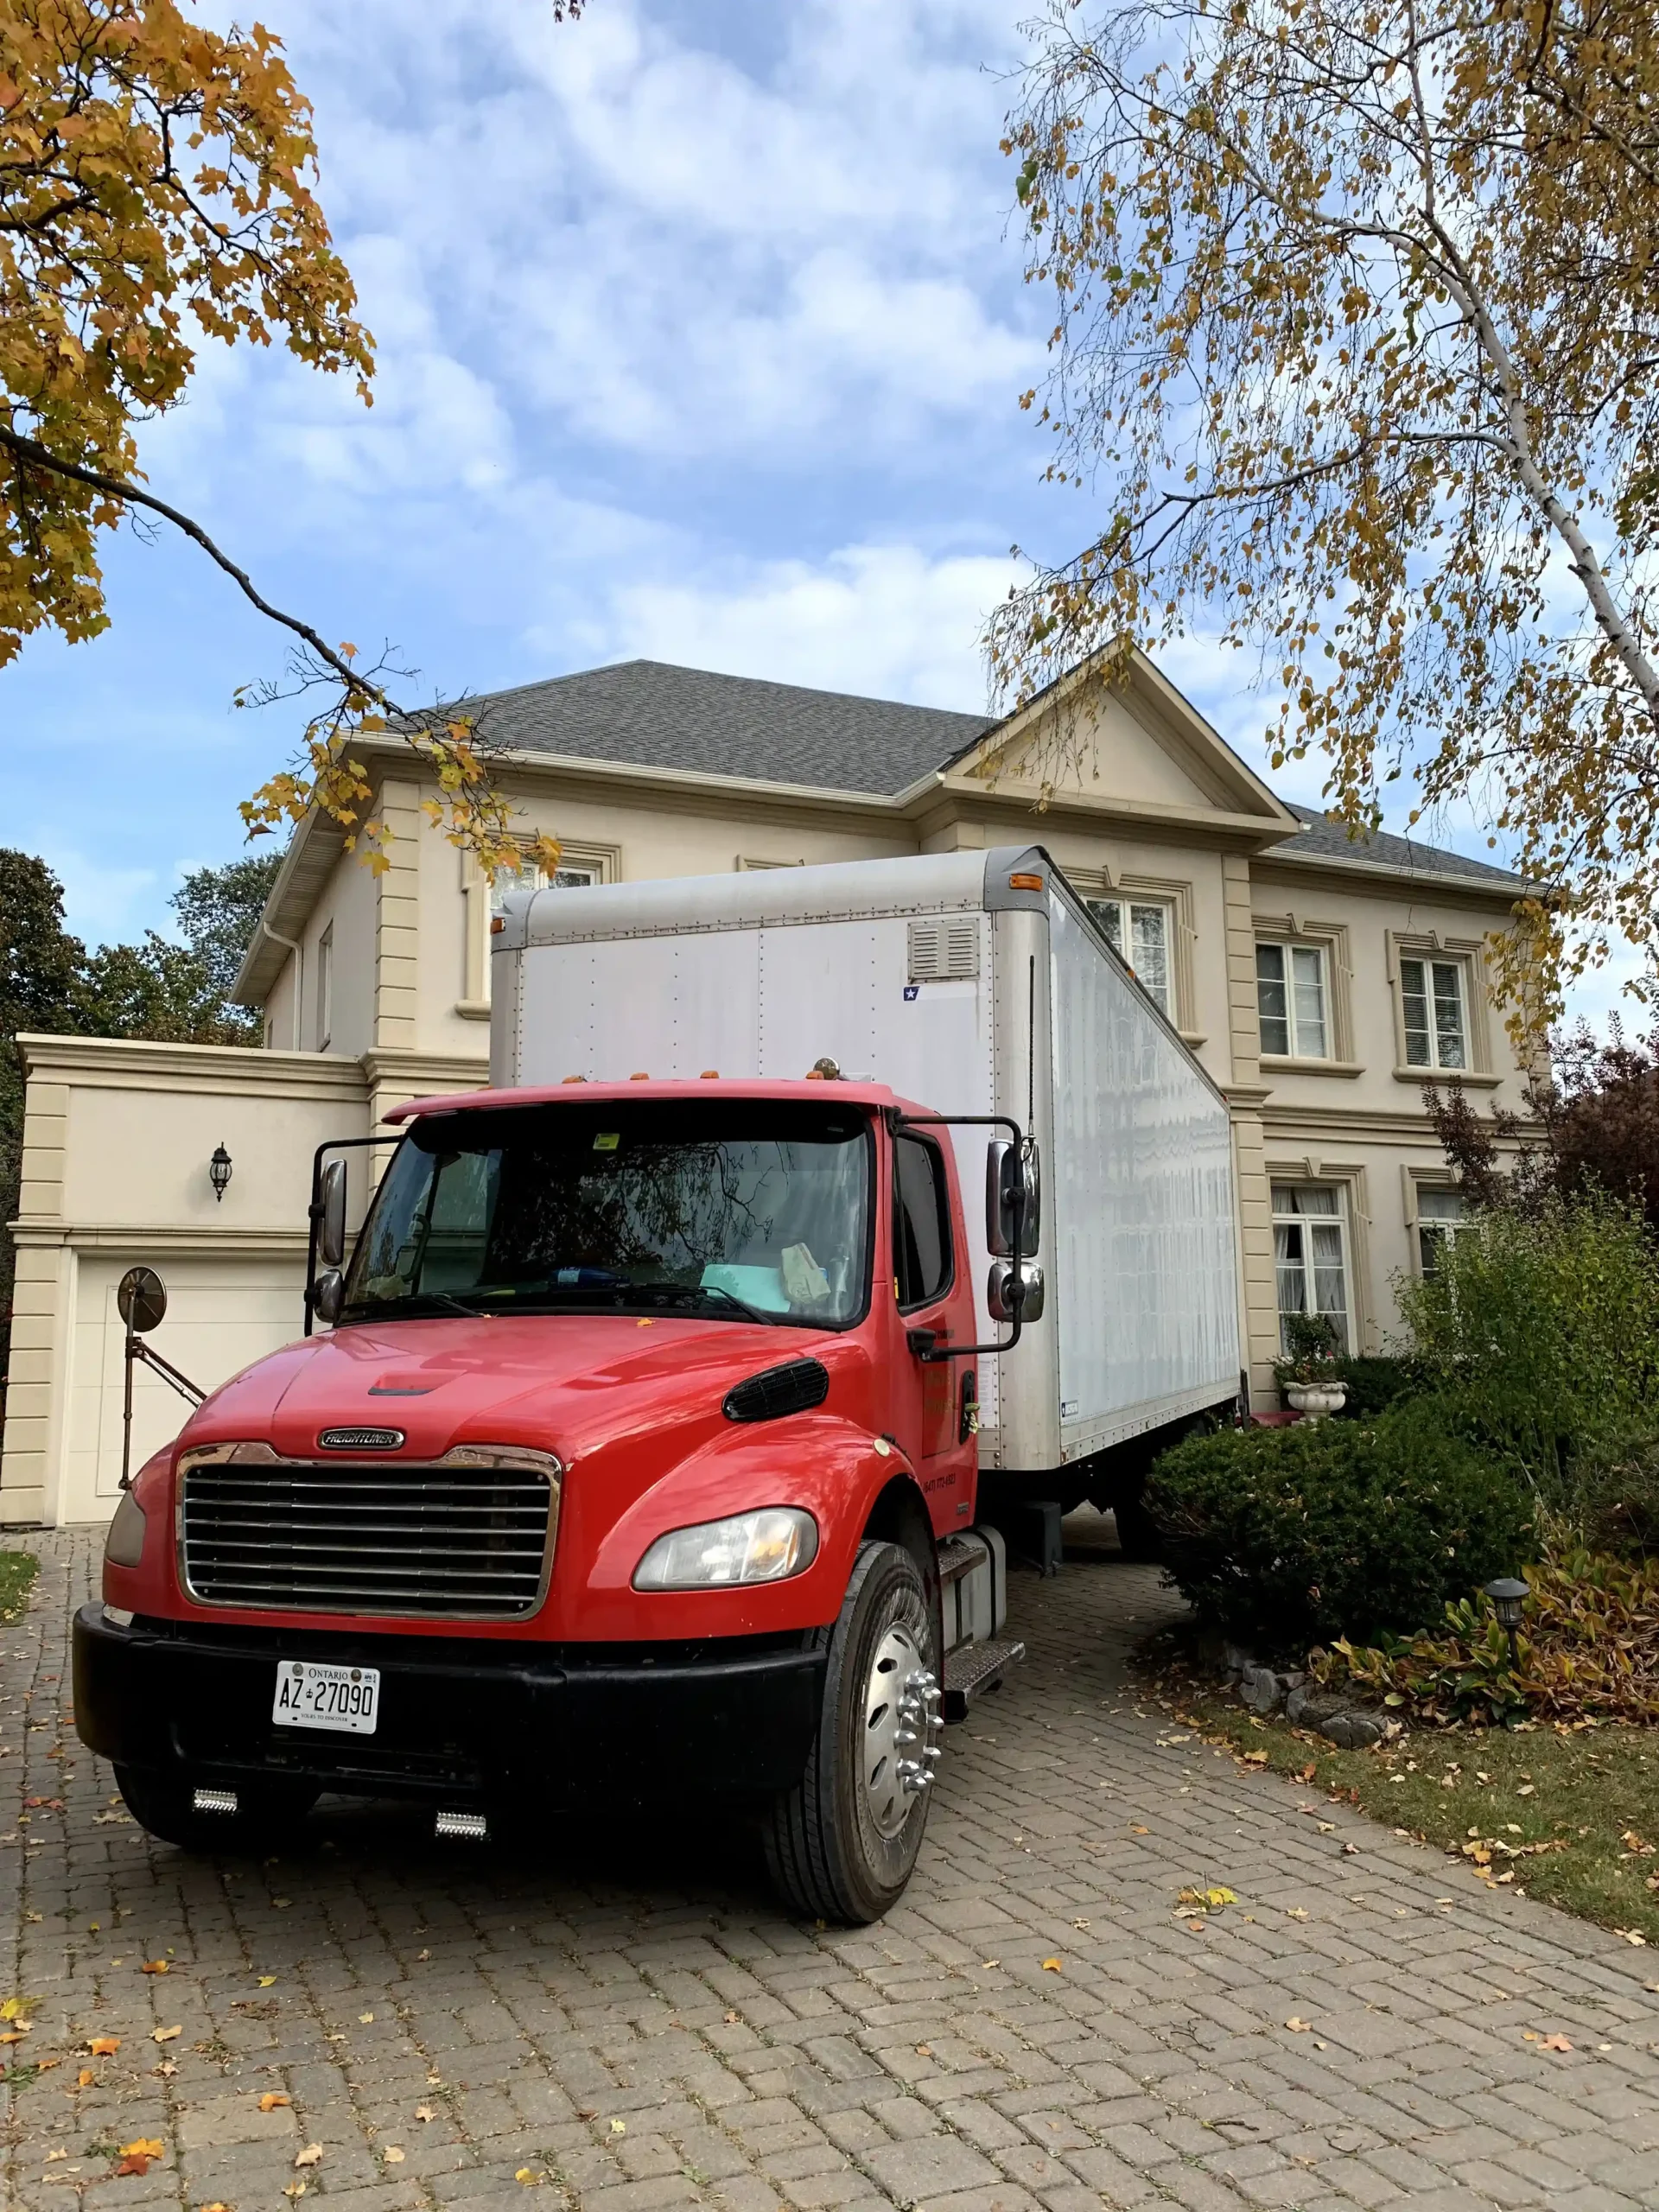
x,y
578,863
1286,1218
325,1010
1125,904
1428,962
1444,1229
1296,1047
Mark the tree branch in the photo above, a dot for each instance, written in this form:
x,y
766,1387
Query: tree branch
x,y
119,488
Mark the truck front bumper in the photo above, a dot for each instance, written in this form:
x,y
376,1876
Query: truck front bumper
x,y
459,1719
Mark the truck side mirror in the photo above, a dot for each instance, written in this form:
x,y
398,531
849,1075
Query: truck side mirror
x,y
329,1296
1015,1298
331,1226
1008,1177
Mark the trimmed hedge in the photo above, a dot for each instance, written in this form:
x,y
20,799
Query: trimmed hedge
x,y
1290,1537
1376,1381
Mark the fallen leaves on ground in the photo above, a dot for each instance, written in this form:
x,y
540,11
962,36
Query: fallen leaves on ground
x,y
156,1966
85,2078
138,2158
311,2156
1298,2027
273,2098
423,2112
618,2128
1211,1900
365,2020
1053,1966
392,2153
526,2174
165,2035
266,1980
1545,2043
104,2046
295,2188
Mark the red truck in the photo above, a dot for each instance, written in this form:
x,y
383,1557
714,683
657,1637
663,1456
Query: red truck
x,y
642,1447
599,1521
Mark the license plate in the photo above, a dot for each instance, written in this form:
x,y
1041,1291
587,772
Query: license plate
x,y
310,1696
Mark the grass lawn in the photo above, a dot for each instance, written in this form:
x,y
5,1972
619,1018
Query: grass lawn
x,y
1589,1795
17,1573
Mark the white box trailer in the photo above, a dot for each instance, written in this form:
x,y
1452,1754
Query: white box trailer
x,y
973,983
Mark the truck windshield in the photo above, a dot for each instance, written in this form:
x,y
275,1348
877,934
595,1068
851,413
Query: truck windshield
x,y
729,1209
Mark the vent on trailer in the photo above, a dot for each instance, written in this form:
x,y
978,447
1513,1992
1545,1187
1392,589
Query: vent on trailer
x,y
944,950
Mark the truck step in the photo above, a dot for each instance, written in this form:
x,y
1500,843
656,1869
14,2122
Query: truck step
x,y
973,1668
958,1557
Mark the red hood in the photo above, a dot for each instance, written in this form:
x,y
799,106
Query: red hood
x,y
567,1383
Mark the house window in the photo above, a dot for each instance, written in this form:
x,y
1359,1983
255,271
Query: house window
x,y
1432,995
325,987
1291,1001
1310,1250
1139,930
1438,1213
532,876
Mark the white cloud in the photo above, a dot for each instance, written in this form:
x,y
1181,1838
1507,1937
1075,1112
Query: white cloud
x,y
883,620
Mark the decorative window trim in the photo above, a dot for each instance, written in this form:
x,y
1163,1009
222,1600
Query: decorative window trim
x,y
1415,1181
1350,1178
473,1005
1106,881
1332,939
1471,953
325,1006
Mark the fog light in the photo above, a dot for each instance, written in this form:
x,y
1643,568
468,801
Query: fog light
x,y
214,1800
472,1825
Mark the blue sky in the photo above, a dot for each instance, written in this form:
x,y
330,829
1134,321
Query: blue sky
x,y
701,324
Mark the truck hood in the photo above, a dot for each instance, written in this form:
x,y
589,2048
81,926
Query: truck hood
x,y
573,1384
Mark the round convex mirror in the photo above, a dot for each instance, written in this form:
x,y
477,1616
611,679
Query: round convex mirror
x,y
141,1299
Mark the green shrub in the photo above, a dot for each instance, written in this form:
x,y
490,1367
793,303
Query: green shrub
x,y
1543,1327
1290,1537
1375,1383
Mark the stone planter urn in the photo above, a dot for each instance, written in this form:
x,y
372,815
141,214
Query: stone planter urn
x,y
1317,1400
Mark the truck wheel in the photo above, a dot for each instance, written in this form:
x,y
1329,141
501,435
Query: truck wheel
x,y
264,1815
841,1845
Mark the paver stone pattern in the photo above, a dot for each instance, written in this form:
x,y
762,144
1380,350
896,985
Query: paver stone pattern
x,y
617,2016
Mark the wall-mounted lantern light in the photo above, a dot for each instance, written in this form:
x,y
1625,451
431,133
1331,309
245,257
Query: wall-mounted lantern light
x,y
219,1171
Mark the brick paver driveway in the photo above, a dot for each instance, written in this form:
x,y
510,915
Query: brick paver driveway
x,y
628,2022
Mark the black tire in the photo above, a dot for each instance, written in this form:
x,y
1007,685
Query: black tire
x,y
840,1847
265,1817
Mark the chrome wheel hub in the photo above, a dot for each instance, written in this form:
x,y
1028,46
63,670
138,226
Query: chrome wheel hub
x,y
902,1725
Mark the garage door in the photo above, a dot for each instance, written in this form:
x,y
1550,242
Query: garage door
x,y
222,1314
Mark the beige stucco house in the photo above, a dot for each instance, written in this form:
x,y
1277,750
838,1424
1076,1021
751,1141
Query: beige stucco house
x,y
1319,981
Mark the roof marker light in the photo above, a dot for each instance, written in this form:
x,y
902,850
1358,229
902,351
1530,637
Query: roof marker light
x,y
640,1075
573,1078
710,1075
1025,883
498,923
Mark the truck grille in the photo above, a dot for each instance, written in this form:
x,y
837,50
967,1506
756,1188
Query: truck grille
x,y
436,1543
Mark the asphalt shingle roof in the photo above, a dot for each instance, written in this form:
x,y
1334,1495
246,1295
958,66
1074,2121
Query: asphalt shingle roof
x,y
1324,839
650,714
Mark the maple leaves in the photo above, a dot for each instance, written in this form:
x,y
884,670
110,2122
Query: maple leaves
x,y
153,189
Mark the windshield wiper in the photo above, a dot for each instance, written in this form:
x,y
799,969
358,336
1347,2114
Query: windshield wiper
x,y
389,1308
686,1291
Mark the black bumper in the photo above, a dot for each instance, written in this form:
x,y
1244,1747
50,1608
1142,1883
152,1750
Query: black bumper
x,y
472,1718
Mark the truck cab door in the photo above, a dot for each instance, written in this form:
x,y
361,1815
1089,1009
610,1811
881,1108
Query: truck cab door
x,y
930,1299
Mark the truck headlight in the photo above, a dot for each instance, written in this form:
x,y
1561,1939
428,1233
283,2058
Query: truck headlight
x,y
124,1544
766,1547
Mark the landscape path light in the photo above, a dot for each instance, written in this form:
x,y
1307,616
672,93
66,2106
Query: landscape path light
x,y
1509,1596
